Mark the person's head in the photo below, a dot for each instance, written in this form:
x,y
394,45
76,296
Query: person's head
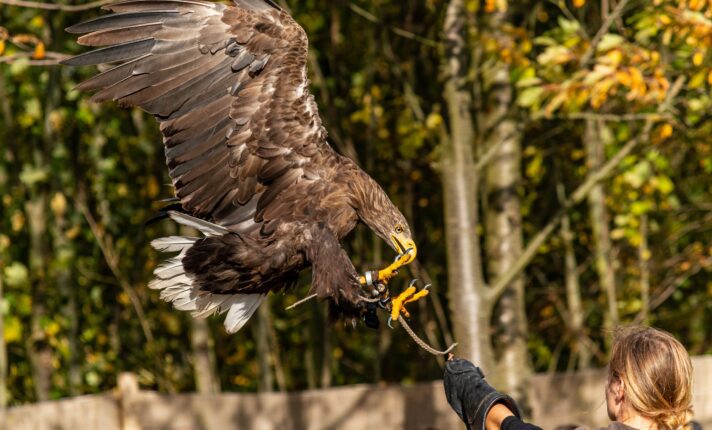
x,y
650,374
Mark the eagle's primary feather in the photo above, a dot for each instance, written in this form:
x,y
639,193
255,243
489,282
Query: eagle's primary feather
x,y
245,148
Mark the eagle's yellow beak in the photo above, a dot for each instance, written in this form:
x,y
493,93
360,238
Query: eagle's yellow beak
x,y
405,246
407,251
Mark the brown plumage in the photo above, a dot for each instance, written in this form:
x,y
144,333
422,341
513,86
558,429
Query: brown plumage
x,y
245,149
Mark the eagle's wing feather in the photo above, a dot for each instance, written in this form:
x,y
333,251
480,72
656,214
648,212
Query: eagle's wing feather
x,y
229,87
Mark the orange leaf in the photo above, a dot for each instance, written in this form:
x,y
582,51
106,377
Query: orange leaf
x,y
2,46
579,3
665,131
39,51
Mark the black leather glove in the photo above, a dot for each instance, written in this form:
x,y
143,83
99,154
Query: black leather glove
x,y
470,396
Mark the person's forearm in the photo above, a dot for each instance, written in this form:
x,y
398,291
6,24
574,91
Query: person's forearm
x,y
496,416
500,417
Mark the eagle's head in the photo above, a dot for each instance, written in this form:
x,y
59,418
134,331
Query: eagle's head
x,y
376,210
400,238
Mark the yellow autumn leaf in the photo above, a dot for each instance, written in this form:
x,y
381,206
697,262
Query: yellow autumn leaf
x,y
696,4
667,36
697,80
52,328
39,53
37,22
597,100
637,86
17,220
433,121
665,131
709,77
122,190
73,232
697,58
2,46
124,298
624,78
614,56
13,330
4,242
152,188
579,3
58,204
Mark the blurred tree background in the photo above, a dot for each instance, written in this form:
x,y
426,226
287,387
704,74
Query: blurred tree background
x,y
553,157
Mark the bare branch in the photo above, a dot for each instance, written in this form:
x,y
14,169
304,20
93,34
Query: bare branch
x,y
615,14
489,154
50,58
399,31
670,287
613,117
112,260
56,6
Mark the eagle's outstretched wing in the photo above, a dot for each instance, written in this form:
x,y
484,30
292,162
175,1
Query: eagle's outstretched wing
x,y
228,85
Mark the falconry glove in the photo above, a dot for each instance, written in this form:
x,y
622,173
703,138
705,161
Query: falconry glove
x,y
470,396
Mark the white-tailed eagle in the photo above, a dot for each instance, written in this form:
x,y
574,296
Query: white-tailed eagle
x,y
247,154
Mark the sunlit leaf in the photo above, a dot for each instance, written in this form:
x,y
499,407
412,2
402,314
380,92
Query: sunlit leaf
x,y
609,41
529,96
16,275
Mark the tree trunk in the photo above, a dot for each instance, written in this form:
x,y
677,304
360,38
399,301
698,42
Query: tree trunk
x,y
573,291
326,354
3,349
204,366
465,282
504,237
266,381
63,275
280,375
599,221
38,346
644,258
310,356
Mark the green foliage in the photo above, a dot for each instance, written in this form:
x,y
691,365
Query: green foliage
x,y
66,164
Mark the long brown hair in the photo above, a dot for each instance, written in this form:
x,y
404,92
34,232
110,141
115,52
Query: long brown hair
x,y
657,374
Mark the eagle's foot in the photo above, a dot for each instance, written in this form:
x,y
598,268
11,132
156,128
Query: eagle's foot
x,y
371,279
408,296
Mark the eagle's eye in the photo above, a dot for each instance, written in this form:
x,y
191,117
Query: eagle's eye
x,y
399,229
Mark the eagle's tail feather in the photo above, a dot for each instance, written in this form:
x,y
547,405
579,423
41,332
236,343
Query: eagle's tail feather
x,y
241,309
179,289
173,243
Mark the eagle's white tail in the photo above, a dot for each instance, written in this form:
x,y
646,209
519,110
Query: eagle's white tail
x,y
178,288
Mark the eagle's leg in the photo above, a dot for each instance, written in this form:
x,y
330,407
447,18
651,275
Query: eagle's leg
x,y
408,296
389,272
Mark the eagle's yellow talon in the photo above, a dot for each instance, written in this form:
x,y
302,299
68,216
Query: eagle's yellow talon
x,y
417,296
397,303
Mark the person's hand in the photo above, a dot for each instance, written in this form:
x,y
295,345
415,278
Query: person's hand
x,y
470,396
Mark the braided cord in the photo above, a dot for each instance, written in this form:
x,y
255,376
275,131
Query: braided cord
x,y
422,343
